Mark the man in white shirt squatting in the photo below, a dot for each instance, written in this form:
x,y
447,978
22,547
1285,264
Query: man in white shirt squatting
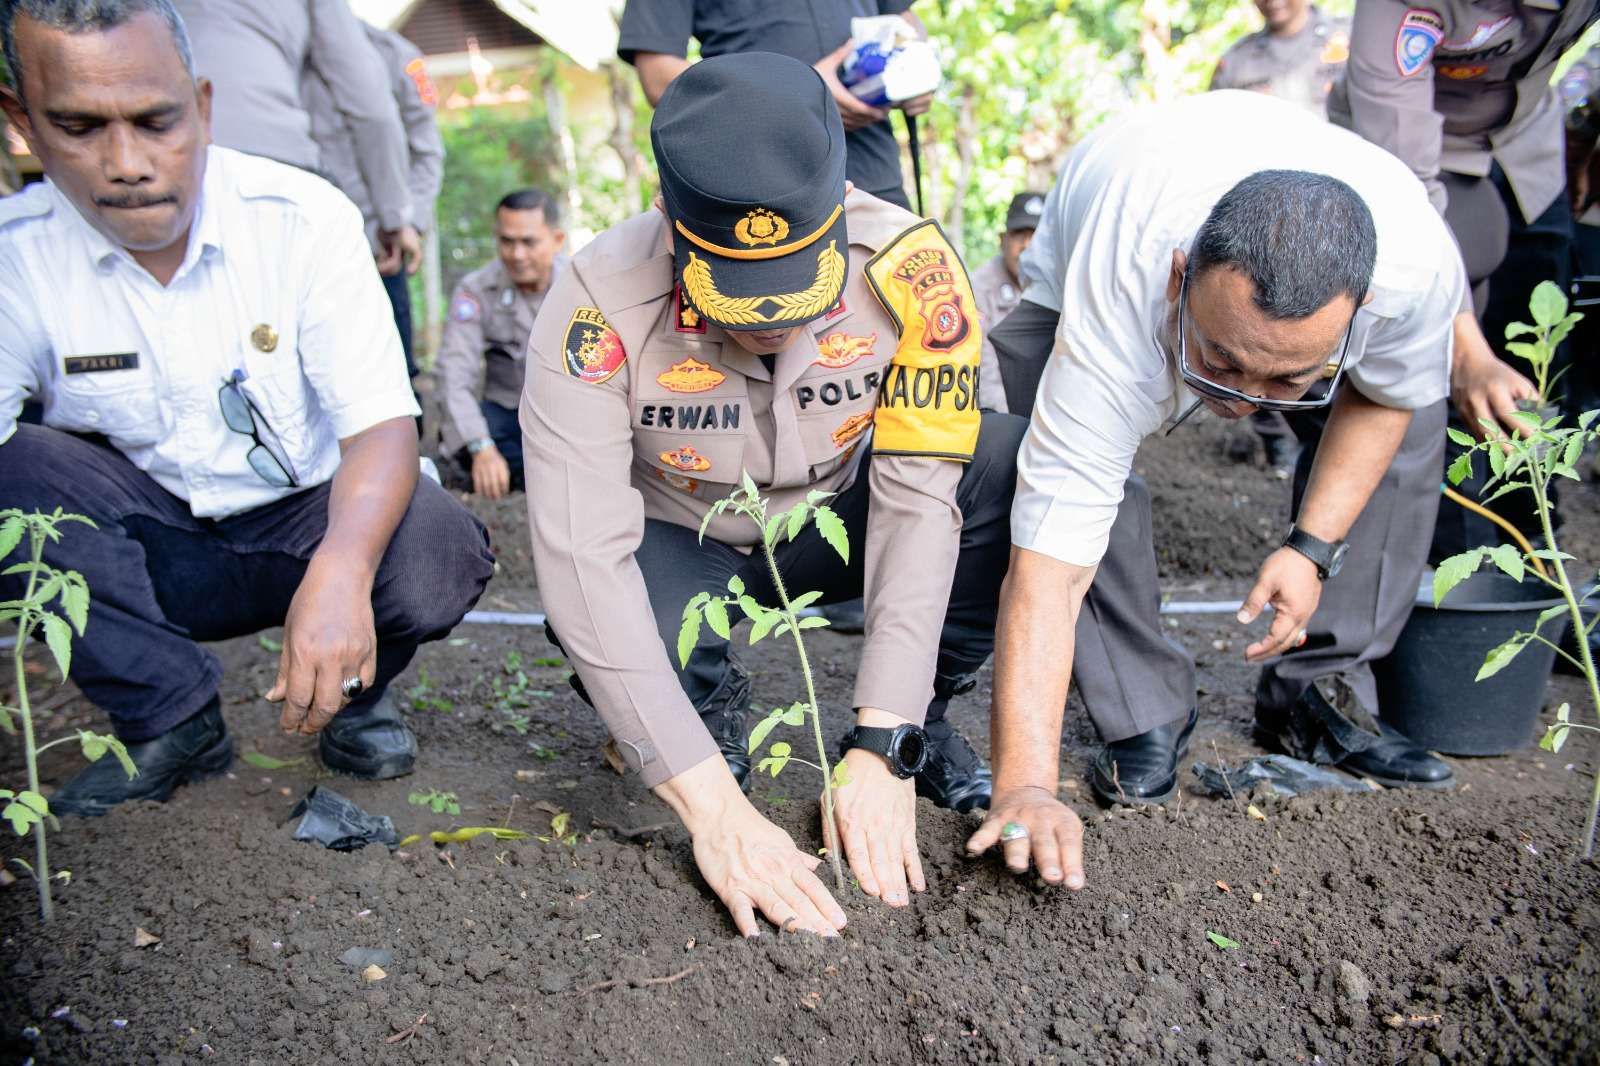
x,y
224,395
1232,252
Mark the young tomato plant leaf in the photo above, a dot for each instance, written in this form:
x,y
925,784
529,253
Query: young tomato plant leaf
x,y
1500,657
94,745
801,602
814,622
763,727
832,528
1223,942
797,519
58,636
717,618
1453,571
688,635
1508,559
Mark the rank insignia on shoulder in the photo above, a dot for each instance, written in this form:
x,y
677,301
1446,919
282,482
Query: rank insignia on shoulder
x,y
1420,32
417,71
465,308
1463,73
686,458
685,318
691,375
838,309
592,351
851,428
838,350
928,400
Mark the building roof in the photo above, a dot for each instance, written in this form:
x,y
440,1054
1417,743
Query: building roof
x,y
584,32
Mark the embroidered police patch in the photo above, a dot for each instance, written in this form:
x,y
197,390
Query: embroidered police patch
x,y
592,350
839,349
1463,73
1420,32
850,429
686,458
465,307
417,71
691,375
928,399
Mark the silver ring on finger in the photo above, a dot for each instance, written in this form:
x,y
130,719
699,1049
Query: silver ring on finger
x,y
352,687
1013,831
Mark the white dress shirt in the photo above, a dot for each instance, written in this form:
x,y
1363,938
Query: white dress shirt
x,y
277,284
1125,199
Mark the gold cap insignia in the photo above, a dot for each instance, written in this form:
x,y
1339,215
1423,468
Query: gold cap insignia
x,y
761,227
264,337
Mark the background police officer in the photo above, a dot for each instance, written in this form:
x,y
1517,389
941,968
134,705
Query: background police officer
x,y
483,353
1296,56
998,286
766,322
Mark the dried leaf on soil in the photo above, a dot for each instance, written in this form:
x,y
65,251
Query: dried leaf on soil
x,y
1224,886
373,974
457,836
143,938
266,762
1255,812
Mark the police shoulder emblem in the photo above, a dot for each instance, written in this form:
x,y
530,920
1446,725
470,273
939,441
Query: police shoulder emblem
x,y
761,226
417,71
591,351
691,375
465,308
1336,50
1420,32
928,401
685,319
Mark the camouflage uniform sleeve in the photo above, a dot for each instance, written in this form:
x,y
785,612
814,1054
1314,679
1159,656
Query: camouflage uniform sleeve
x,y
1389,84
587,520
460,366
925,428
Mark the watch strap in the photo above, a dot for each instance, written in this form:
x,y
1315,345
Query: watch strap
x,y
1320,552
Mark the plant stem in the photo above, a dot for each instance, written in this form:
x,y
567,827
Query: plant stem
x,y
1541,499
25,624
830,832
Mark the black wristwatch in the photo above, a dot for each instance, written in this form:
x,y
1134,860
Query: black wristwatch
x,y
1328,557
904,748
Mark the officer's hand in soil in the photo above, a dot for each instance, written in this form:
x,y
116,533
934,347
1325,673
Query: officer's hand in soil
x,y
855,114
328,637
749,863
1054,842
491,474
876,813
1481,386
1289,582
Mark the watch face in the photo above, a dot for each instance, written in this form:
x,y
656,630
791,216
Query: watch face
x,y
911,749
1338,559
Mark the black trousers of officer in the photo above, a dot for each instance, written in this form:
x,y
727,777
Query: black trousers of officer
x,y
161,579
1133,678
676,566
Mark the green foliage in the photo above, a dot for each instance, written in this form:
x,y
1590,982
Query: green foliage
x,y
423,697
717,613
1542,449
1224,942
436,801
55,606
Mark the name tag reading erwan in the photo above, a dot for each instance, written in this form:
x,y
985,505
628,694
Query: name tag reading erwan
x,y
94,364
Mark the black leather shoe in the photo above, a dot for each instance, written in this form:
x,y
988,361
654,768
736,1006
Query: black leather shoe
x,y
727,727
197,749
373,742
1143,770
956,777
1394,760
847,617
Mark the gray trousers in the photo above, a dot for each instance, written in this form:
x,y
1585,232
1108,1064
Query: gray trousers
x,y
1133,679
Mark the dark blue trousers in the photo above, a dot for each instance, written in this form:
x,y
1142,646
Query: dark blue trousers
x,y
507,435
161,579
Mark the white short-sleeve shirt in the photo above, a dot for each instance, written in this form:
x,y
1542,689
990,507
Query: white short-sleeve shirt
x,y
277,287
1125,199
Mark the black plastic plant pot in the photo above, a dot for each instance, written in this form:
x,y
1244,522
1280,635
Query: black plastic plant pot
x,y
1426,686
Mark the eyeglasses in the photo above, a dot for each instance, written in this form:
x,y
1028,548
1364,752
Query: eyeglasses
x,y
1206,387
266,457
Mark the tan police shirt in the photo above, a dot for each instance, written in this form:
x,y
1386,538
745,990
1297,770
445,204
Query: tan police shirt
x,y
254,54
1458,85
415,96
1300,68
997,297
637,408
484,348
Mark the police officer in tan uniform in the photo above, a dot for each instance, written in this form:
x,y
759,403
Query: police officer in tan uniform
x,y
486,340
768,319
1460,91
1296,56
998,286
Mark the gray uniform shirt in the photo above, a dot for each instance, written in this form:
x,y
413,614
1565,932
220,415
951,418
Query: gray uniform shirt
x,y
255,52
1300,68
484,348
416,98
997,295
1462,84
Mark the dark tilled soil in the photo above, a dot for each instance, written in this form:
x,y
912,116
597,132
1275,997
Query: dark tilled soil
x,y
1390,927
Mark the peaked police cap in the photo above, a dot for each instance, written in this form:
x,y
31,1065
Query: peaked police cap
x,y
751,154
